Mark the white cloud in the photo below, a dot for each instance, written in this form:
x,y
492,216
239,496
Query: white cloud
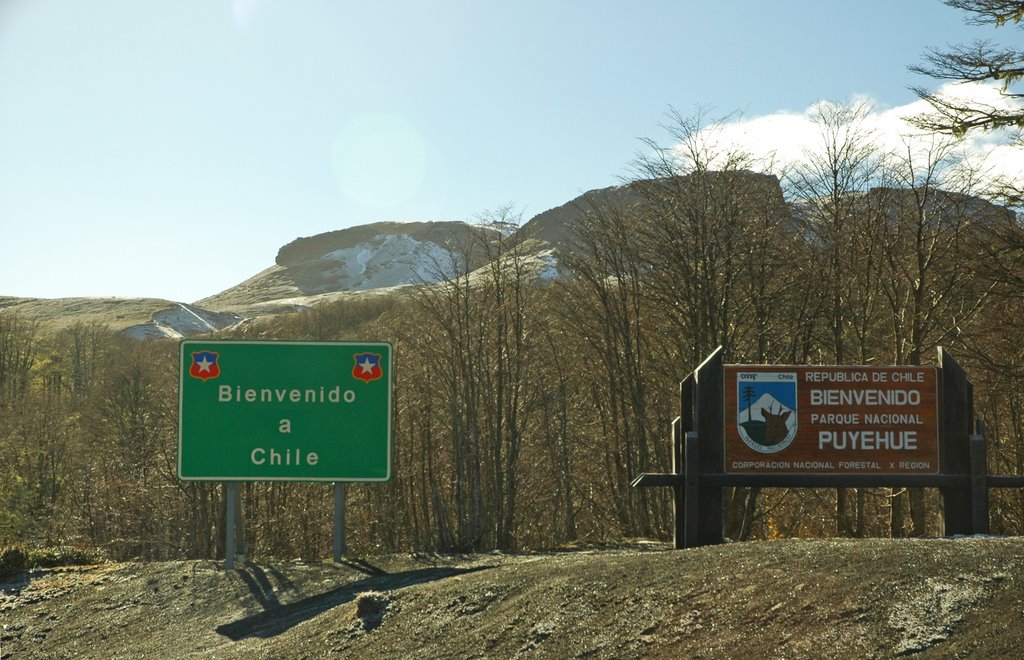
x,y
784,137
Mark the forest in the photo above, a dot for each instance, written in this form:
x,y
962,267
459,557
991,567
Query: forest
x,y
524,406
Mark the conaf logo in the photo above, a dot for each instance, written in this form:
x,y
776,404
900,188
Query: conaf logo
x,y
766,410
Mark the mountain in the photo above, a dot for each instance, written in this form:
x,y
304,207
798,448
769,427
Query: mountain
x,y
384,257
373,257
143,318
181,320
554,227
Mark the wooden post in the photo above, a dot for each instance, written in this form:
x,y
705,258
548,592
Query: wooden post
x,y
979,485
687,393
682,426
241,547
709,424
691,518
678,490
685,425
673,479
955,421
231,506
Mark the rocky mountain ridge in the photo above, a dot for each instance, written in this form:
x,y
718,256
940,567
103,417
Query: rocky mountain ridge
x,y
142,318
372,259
365,258
381,258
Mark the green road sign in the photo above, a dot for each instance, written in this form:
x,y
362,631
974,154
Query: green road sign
x,y
284,411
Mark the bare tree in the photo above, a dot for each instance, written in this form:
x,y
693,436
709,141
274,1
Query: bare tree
x,y
605,305
694,190
829,185
934,228
482,316
980,61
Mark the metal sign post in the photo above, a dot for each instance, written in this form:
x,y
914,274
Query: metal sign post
x,y
340,547
231,513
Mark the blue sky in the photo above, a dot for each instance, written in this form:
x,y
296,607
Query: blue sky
x,y
169,148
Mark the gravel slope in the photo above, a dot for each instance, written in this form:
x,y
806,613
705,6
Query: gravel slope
x,y
797,598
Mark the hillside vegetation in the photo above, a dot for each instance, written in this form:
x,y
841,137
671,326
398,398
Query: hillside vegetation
x,y
525,403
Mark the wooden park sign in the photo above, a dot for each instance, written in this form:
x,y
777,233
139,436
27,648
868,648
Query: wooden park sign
x,y
831,420
825,427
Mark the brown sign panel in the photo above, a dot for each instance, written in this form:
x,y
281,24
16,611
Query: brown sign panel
x,y
831,420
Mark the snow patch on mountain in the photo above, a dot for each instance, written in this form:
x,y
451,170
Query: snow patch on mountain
x,y
181,321
548,262
385,260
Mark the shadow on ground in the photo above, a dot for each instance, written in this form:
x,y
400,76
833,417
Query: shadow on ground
x,y
277,618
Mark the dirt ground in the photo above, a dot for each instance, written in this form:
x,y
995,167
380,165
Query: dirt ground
x,y
795,599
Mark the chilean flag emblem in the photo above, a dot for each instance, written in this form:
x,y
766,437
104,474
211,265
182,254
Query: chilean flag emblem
x,y
204,365
367,367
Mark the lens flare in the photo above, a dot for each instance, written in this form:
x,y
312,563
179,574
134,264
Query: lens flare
x,y
244,12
